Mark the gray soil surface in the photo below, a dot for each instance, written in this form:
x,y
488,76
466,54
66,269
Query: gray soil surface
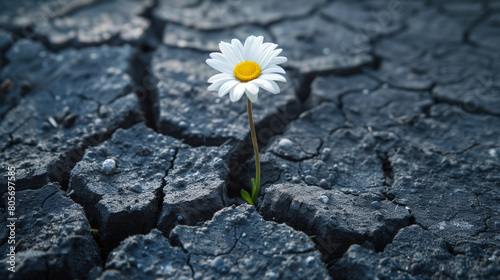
x,y
380,157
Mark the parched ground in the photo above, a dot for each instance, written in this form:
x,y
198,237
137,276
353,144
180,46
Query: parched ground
x,y
380,157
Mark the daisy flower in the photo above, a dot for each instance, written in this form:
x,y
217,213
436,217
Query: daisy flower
x,y
246,68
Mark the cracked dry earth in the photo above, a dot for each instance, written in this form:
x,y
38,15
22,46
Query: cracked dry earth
x,y
380,157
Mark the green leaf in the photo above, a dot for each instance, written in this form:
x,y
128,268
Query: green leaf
x,y
246,197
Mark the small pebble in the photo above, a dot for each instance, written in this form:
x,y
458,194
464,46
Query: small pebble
x,y
366,91
309,260
108,166
158,176
63,113
385,261
52,121
384,135
218,161
220,265
376,204
270,275
45,126
285,143
492,152
248,263
183,124
326,151
379,216
324,183
324,198
98,122
311,180
69,120
103,111
136,188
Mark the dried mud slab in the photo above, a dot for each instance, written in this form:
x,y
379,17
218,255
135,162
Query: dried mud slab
x,y
236,244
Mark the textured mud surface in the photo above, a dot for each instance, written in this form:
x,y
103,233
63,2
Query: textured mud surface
x,y
380,157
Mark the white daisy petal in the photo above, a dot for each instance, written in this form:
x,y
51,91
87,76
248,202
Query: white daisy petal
x,y
267,61
260,40
227,86
219,83
228,53
265,84
219,66
252,88
256,49
213,54
273,77
221,58
220,76
276,88
278,60
276,52
216,85
238,49
231,95
237,92
274,69
266,54
247,47
253,97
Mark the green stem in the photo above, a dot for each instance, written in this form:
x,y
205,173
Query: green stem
x,y
255,150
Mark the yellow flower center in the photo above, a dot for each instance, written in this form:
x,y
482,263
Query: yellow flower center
x,y
246,71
